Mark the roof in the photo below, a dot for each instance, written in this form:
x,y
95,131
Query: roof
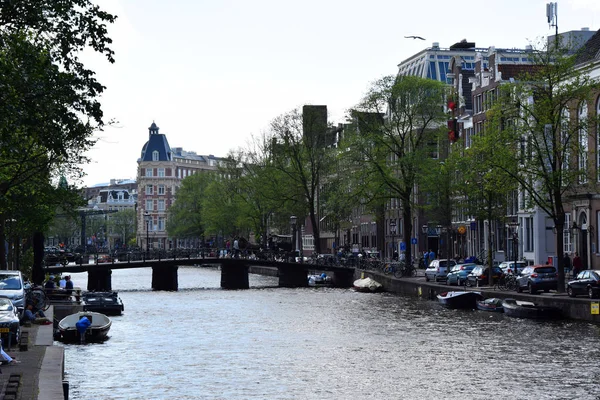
x,y
104,194
516,70
590,50
157,142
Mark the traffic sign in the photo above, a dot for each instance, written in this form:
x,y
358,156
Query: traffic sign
x,y
402,246
413,240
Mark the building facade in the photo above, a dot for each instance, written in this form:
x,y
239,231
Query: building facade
x,y
160,172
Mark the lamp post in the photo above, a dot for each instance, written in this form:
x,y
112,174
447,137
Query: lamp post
x,y
147,218
393,232
293,221
515,242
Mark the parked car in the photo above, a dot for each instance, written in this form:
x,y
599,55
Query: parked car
x,y
458,274
10,327
538,277
587,283
12,288
438,270
480,276
508,267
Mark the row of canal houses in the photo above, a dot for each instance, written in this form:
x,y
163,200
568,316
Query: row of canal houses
x,y
474,73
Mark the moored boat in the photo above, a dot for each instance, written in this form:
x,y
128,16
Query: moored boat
x,y
95,329
459,299
108,303
320,280
493,304
367,285
527,309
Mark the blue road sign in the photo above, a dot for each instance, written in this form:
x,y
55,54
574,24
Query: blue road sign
x,y
413,240
402,246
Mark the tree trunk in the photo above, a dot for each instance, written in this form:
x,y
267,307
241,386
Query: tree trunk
x,y
37,272
559,225
407,227
2,242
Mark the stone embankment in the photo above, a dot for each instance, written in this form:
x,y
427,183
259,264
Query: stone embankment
x,y
40,371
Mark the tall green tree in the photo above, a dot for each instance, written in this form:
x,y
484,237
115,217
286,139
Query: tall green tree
x,y
253,180
549,137
186,215
392,154
49,105
302,152
122,224
485,189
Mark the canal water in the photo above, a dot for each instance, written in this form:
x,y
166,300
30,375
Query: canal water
x,y
274,343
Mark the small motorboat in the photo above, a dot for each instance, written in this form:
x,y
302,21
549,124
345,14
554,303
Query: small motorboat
x,y
527,309
320,280
493,304
95,329
108,303
459,299
367,285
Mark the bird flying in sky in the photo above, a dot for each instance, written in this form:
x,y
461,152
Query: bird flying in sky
x,y
414,37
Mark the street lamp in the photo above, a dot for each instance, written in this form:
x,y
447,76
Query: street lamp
x,y
147,218
393,232
293,221
515,241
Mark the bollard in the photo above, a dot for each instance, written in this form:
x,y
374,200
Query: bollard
x,y
66,389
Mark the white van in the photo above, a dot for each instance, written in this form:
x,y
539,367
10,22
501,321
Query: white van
x,y
11,287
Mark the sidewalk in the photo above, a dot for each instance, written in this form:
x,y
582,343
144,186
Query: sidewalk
x,y
40,373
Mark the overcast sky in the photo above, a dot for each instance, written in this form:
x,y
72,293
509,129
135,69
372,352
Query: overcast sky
x,y
211,73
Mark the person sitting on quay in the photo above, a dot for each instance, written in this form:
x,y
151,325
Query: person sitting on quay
x,y
50,285
69,288
31,315
52,291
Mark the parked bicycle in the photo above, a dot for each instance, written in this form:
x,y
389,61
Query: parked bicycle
x,y
506,282
36,296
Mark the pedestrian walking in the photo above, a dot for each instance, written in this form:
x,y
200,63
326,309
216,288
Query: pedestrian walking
x,y
431,255
577,265
567,263
426,259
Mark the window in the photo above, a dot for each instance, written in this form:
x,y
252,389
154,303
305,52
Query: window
x,y
161,223
161,205
149,189
161,172
567,244
583,143
443,69
149,205
155,155
149,172
432,72
528,243
161,190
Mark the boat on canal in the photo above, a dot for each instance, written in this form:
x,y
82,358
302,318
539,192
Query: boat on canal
x,y
527,309
96,330
108,303
492,304
459,299
320,280
368,285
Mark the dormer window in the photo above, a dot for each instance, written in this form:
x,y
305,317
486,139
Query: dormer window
x,y
155,155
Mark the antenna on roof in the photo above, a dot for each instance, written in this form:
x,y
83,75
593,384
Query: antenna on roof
x,y
552,15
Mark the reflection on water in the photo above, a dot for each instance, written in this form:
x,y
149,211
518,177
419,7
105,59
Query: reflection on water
x,y
318,343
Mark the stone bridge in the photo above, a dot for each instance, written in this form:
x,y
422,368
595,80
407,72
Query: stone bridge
x,y
234,272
